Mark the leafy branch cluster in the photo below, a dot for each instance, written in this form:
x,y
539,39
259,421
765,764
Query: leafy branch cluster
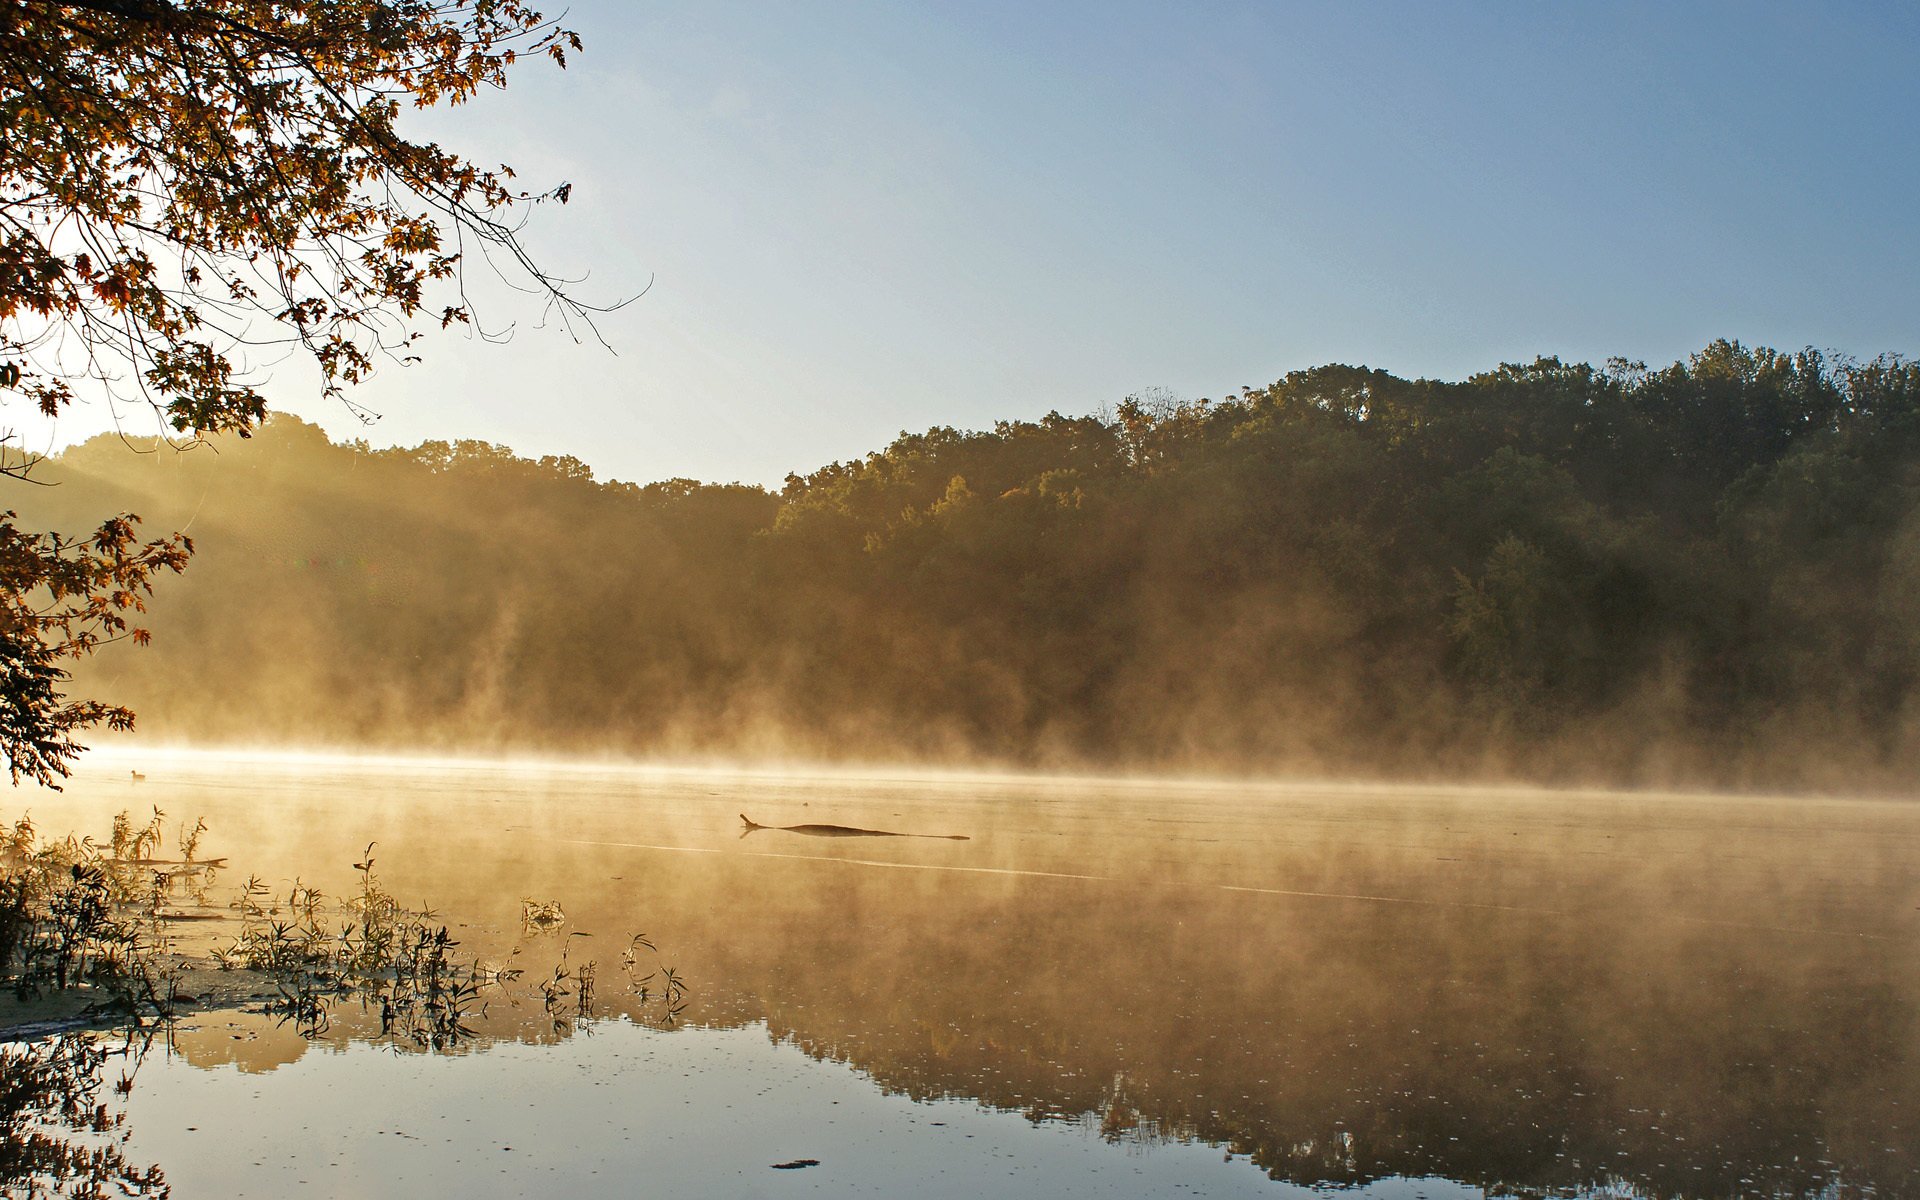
x,y
62,598
185,184
191,190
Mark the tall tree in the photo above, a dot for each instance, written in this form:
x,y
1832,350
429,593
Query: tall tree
x,y
183,182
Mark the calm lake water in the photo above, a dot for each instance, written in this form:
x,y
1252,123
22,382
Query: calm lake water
x,y
1108,989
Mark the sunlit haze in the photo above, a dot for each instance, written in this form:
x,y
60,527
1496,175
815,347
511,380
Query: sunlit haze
x,y
1107,600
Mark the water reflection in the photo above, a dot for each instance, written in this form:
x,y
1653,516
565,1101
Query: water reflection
x,y
1522,993
58,1137
415,985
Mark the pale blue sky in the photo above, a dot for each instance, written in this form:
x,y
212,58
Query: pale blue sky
x,y
863,218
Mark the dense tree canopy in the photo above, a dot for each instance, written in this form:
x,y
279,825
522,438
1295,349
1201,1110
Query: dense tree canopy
x,y
190,187
1704,572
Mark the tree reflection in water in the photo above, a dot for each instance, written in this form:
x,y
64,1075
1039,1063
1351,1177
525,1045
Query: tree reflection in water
x,y
57,1137
1526,993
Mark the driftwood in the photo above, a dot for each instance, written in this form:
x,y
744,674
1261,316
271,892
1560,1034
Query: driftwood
x,y
843,831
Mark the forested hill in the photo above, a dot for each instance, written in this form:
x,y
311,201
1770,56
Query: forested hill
x,y
1708,573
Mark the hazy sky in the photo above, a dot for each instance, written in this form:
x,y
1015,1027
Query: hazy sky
x,y
864,218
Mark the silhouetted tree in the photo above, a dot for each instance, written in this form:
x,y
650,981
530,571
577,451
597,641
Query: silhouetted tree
x,y
182,183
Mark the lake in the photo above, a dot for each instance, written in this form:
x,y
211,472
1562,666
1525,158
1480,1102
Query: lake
x,y
1107,988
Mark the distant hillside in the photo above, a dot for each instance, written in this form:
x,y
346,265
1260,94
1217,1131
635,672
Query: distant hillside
x,y
1708,573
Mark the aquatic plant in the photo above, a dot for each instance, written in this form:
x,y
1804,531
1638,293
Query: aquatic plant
x,y
670,992
387,958
72,917
564,984
190,838
537,916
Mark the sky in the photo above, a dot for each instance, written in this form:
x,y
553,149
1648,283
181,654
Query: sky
x,y
851,220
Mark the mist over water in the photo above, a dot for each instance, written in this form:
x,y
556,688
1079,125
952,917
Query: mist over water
x,y
1106,932
1348,785
1657,994
1700,575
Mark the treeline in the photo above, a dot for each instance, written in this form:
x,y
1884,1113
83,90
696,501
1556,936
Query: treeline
x,y
1707,573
